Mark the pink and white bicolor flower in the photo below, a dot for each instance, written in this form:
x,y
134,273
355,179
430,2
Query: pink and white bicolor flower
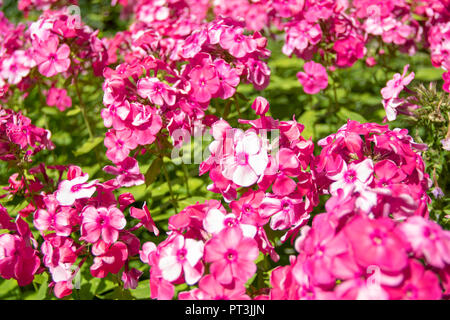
x,y
247,162
353,177
77,188
215,221
182,255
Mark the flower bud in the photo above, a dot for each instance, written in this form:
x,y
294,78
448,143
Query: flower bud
x,y
260,105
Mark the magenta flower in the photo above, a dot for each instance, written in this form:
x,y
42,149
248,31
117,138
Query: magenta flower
x,y
210,289
17,259
238,44
104,223
204,82
229,78
348,51
145,217
314,78
128,173
156,91
232,256
446,78
374,242
181,255
51,59
58,98
260,105
420,284
130,278
109,259
119,144
54,218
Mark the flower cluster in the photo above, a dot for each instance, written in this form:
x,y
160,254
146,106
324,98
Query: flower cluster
x,y
364,258
19,138
58,43
376,171
279,167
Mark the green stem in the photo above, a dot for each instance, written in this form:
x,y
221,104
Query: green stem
x,y
186,179
166,175
42,101
82,107
236,103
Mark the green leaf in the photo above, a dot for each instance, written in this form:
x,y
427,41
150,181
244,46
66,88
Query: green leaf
x,y
308,119
50,111
73,112
88,146
153,171
7,287
429,74
190,201
41,294
142,291
346,114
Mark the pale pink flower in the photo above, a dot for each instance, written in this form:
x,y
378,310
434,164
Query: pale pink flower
x,y
248,159
446,144
428,239
397,84
15,68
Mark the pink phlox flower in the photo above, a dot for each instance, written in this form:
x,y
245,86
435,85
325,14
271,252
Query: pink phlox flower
x,y
145,217
104,223
108,258
77,188
128,173
58,98
181,255
246,162
215,221
50,58
231,256
156,91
